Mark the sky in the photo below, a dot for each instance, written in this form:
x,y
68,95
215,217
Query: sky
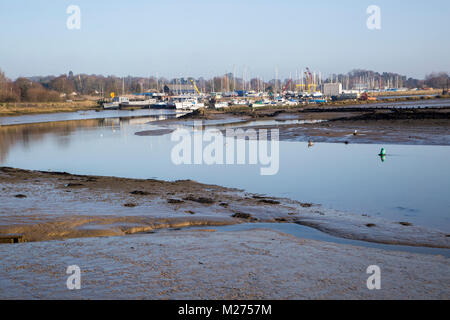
x,y
201,38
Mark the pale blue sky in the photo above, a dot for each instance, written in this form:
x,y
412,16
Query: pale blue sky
x,y
206,37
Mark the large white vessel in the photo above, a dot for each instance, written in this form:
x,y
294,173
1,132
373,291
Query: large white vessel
x,y
138,103
189,104
116,102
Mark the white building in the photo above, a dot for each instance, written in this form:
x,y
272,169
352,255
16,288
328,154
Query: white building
x,y
332,89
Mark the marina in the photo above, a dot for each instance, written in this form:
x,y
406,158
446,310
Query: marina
x,y
222,158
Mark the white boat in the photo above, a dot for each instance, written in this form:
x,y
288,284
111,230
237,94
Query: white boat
x,y
261,103
111,105
220,105
317,94
291,102
116,102
138,103
240,102
189,104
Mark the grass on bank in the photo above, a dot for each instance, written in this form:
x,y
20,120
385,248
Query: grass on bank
x,y
22,108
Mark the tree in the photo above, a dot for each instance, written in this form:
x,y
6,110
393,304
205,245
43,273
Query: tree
x,y
7,90
62,84
437,80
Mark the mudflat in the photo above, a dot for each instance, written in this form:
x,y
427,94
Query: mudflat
x,y
257,264
430,126
44,206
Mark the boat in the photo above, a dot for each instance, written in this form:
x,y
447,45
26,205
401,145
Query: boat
x,y
318,101
291,102
160,105
260,103
115,103
220,105
111,105
317,94
240,102
189,104
138,103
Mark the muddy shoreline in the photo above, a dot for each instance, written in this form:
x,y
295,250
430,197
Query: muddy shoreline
x,y
338,125
44,206
258,264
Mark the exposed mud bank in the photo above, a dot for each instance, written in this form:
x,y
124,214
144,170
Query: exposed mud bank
x,y
155,133
256,264
57,205
345,125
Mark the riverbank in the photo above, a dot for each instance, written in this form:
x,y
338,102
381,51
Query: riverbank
x,y
44,206
408,93
205,264
24,108
408,126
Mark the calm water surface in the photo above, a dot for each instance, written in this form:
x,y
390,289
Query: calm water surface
x,y
412,185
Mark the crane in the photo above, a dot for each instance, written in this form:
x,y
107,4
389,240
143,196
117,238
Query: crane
x,y
311,81
287,86
195,86
310,74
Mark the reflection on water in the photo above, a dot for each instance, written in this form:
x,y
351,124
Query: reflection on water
x,y
34,132
85,115
339,176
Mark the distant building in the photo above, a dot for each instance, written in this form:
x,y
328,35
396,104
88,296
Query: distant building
x,y
176,89
361,86
332,89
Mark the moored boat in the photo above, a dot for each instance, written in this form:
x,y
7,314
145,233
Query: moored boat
x,y
219,105
189,104
138,103
115,103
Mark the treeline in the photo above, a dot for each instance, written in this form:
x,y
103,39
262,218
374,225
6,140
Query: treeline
x,y
70,86
99,85
439,80
375,80
25,90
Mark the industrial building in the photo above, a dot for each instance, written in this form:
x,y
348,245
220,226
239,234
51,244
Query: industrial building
x,y
332,89
178,89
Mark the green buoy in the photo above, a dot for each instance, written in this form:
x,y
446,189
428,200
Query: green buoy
x,y
382,152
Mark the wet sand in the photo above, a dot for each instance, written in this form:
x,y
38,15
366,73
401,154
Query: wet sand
x,y
257,264
46,206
